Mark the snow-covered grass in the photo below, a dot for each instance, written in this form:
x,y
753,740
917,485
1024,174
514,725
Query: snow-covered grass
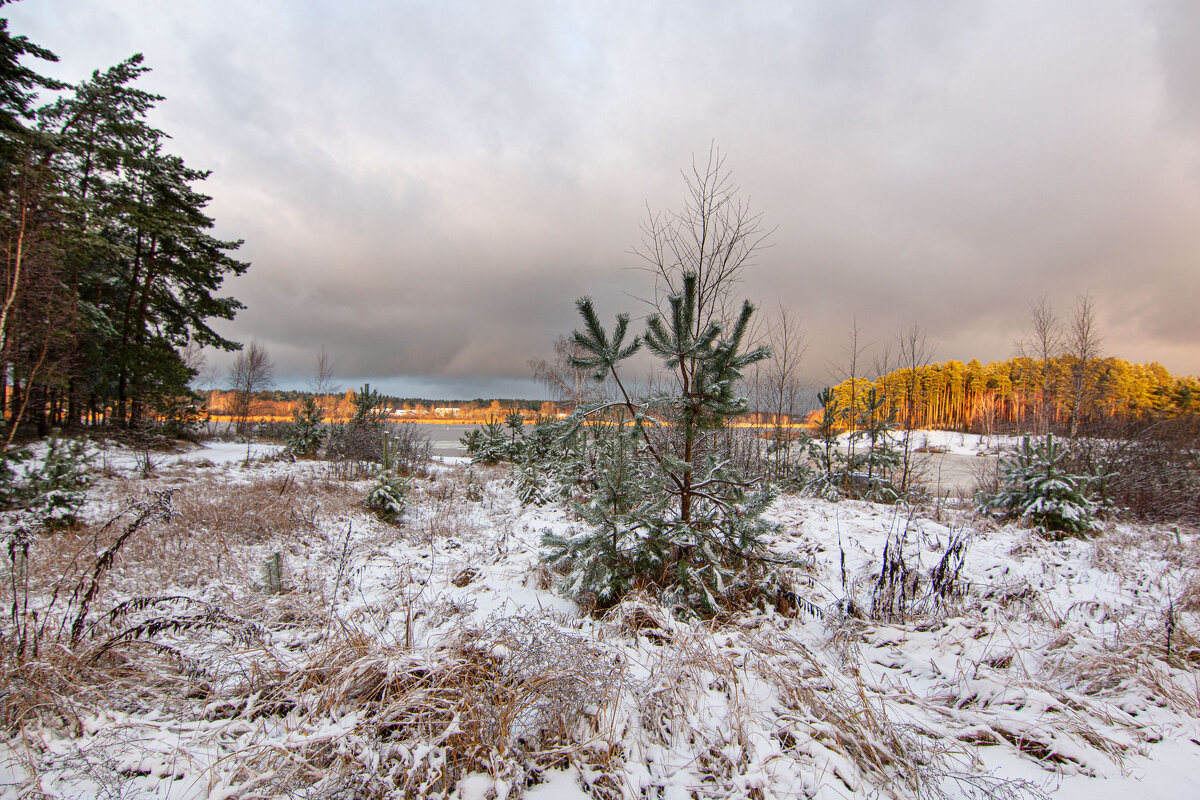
x,y
434,658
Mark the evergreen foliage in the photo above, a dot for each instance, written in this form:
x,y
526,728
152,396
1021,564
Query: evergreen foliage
x,y
489,444
386,496
1035,486
665,512
360,442
106,237
44,492
307,431
531,484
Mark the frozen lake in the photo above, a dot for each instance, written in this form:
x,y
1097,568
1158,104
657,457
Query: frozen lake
x,y
953,472
444,438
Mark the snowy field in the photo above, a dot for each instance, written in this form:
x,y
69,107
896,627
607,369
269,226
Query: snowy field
x,y
434,658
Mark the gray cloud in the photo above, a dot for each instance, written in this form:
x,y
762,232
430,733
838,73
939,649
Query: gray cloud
x,y
424,188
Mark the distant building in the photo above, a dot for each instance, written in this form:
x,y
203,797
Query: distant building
x,y
446,411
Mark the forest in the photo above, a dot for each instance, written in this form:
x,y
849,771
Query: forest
x,y
112,274
1024,393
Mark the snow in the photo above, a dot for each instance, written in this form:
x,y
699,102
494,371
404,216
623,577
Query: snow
x,y
1045,675
950,442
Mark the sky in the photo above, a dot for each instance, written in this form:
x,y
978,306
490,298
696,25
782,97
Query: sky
x,y
425,188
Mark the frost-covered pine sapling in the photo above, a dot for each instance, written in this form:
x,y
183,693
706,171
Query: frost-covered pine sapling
x,y
386,496
1035,486
489,444
532,487
825,480
514,422
871,471
46,492
307,431
626,540
697,541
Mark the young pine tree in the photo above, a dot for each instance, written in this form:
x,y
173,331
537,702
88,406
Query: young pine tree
x,y
1036,486
681,521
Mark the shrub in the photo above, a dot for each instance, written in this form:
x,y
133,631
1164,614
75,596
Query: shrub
x,y
1150,468
307,431
1035,485
386,496
49,491
532,487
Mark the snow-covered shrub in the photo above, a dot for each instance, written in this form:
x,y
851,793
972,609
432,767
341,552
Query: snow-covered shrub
x,y
359,447
860,473
306,433
386,496
1150,469
489,444
406,448
474,489
1035,486
48,491
531,485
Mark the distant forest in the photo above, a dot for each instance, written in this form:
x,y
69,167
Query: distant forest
x,y
1019,394
280,405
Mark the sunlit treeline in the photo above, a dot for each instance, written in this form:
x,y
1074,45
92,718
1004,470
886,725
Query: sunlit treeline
x,y
280,406
1022,393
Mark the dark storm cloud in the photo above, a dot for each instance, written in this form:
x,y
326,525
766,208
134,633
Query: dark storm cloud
x,y
424,188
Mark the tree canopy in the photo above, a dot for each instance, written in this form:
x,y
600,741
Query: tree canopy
x,y
111,266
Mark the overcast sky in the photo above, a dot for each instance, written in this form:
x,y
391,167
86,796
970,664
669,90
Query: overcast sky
x,y
425,188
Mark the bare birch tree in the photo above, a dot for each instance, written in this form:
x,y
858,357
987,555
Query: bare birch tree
x,y
1043,345
252,371
1083,347
714,236
564,381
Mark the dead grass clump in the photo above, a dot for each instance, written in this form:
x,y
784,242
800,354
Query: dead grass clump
x,y
217,529
60,660
834,720
1189,595
271,509
1158,665
639,615
504,700
902,590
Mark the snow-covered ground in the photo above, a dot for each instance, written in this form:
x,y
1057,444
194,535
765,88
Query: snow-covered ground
x,y
435,658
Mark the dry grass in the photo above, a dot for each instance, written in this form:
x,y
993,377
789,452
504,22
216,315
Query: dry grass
x,y
337,703
88,646
504,700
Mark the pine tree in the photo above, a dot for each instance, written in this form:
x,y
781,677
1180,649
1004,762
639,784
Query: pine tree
x,y
1034,486
307,431
140,264
669,514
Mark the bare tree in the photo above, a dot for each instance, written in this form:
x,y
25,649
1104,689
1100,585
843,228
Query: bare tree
x,y
714,236
252,371
855,353
322,380
1083,347
565,382
1043,345
914,353
788,344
